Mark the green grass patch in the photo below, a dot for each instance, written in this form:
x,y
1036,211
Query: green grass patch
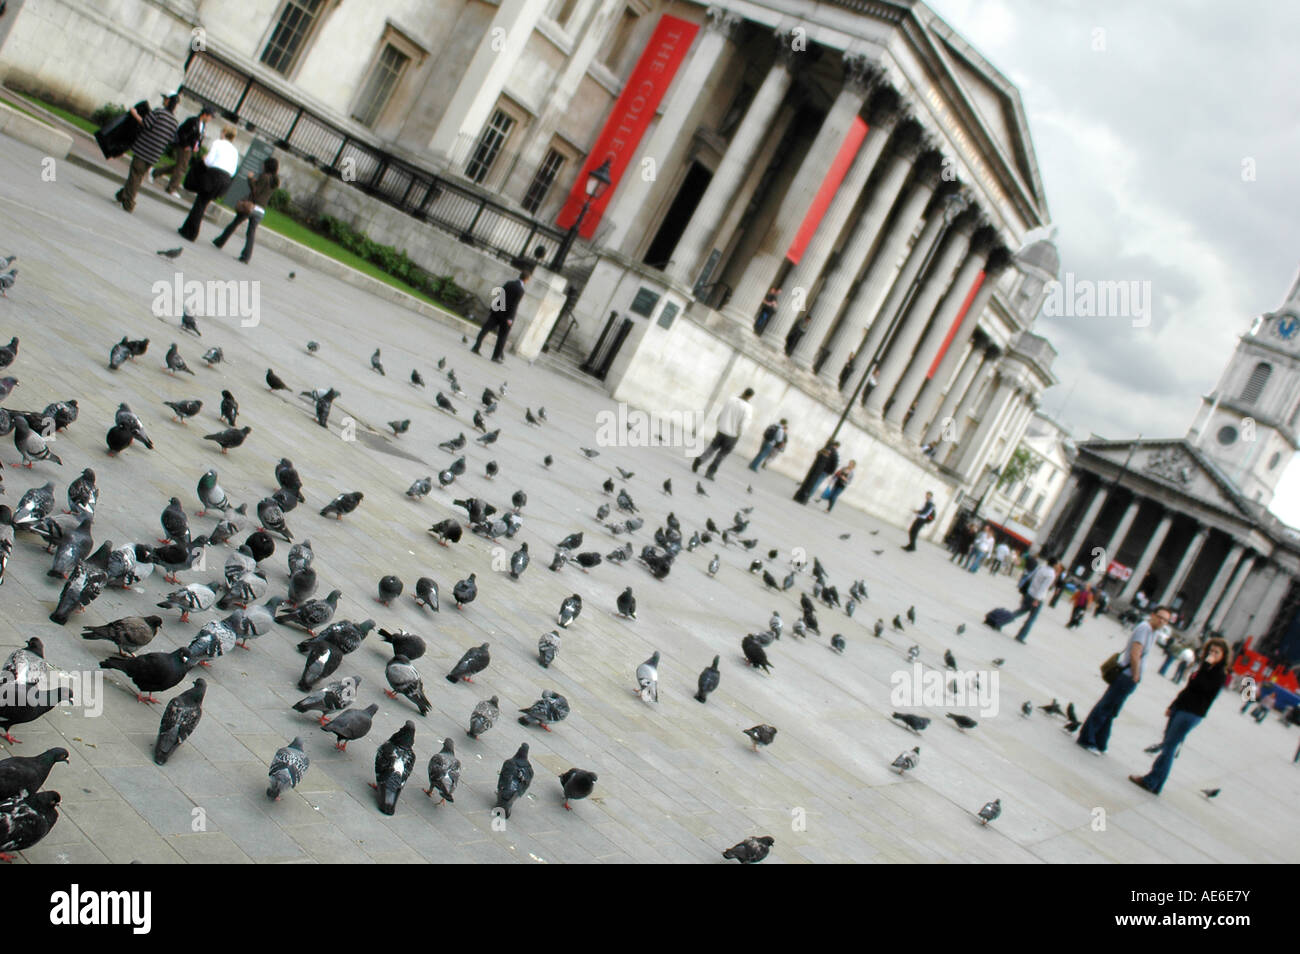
x,y
9,101
81,123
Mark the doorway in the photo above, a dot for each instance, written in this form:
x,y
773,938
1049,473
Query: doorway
x,y
678,216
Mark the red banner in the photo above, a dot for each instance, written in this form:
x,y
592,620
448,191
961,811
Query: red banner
x,y
826,191
956,323
630,117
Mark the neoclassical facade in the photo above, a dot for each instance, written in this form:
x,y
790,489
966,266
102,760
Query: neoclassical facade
x,y
1185,520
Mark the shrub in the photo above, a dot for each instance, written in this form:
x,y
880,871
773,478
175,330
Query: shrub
x,y
280,201
107,113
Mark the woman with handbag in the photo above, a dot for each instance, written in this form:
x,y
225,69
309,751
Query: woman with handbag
x,y
252,208
210,179
1186,712
843,477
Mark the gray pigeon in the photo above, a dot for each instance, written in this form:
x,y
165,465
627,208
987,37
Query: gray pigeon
x,y
761,735
426,593
393,764
444,772
990,811
475,660
179,720
350,725
547,646
907,760
570,609
287,769
708,681
577,784
333,697
513,781
483,717
405,680
750,851
647,679
552,707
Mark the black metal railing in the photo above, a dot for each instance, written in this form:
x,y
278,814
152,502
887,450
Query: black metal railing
x,y
455,208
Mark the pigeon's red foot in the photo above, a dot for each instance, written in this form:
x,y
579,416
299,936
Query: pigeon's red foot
x,y
390,694
341,746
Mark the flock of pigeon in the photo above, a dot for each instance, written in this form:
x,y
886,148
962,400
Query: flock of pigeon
x,y
249,534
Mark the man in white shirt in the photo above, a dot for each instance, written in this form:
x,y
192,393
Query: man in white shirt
x,y
1001,558
1040,584
732,421
1095,733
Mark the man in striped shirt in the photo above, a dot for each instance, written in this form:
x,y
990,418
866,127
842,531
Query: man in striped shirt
x,y
157,132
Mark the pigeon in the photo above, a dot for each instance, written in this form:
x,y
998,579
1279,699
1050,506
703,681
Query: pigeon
x,y
571,542
83,587
708,681
990,811
837,643
343,504
272,518
473,662
20,708
552,707
800,629
215,639
483,717
25,821
898,624
400,427
8,353
301,586
188,323
444,772
331,698
513,781
624,502
1211,792
761,735
647,679
416,378
20,777
390,588
152,672
519,561
175,362
626,603
548,460
963,722
325,404
274,382
907,761
949,660
26,665
750,851
755,654
375,364
420,488
74,547
129,633
344,635
213,356
230,437
350,725
577,784
179,720
288,766
286,475
31,445
547,646
961,628
570,609
426,593
911,614
529,418
118,355
447,531
442,401
170,252
465,591
1027,709
393,764
559,560
405,680
404,644
488,438
1052,708
714,564
699,489
313,614
915,723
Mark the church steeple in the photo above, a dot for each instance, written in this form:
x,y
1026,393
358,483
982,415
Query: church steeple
x,y
1248,423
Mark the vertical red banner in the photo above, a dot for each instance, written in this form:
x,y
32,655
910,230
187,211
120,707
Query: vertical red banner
x,y
630,117
826,191
956,323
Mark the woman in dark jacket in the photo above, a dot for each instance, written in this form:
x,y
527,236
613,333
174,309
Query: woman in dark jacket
x,y
1186,712
253,208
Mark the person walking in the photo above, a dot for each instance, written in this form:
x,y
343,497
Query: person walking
x,y
189,139
157,132
1185,659
982,548
1079,604
824,464
765,312
1042,580
252,208
1001,559
502,314
1094,736
924,515
843,477
1186,712
846,372
774,435
961,541
210,180
732,421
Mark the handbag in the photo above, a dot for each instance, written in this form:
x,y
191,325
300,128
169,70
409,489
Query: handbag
x,y
245,207
1111,668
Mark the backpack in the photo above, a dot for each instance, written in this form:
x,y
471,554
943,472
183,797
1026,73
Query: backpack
x,y
771,433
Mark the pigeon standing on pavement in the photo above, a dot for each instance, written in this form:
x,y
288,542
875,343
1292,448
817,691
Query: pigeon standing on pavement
x,y
990,811
179,720
444,772
907,761
393,765
647,679
750,851
483,717
761,735
577,784
350,725
475,660
708,681
288,766
513,781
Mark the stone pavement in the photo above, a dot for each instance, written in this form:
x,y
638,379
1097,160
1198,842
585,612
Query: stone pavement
x,y
678,781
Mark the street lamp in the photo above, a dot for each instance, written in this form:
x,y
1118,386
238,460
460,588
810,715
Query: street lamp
x,y
955,205
598,180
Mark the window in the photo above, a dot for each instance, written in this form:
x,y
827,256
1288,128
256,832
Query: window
x,y
617,46
1255,386
1024,496
1227,435
297,17
562,11
489,146
543,179
379,84
1038,503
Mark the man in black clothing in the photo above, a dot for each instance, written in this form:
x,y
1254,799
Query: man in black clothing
x,y
923,516
824,464
189,139
502,315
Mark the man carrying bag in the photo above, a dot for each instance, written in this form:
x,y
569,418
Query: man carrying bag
x,y
1123,672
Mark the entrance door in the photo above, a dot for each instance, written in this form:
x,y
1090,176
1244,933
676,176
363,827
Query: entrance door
x,y
679,214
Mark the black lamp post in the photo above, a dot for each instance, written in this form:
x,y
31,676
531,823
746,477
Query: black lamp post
x,y
598,180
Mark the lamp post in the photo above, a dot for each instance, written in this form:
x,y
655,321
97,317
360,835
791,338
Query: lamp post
x,y
955,205
598,180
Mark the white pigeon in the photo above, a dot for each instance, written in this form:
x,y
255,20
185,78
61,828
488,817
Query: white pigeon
x,y
907,761
647,679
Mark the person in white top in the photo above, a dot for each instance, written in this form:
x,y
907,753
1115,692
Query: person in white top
x,y
732,421
1040,584
982,548
211,180
1001,558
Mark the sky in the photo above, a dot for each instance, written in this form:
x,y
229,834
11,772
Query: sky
x,y
1167,134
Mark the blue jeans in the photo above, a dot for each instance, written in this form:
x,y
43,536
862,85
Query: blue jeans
x,y
1169,661
1096,728
764,452
818,486
1028,623
1180,723
976,558
833,494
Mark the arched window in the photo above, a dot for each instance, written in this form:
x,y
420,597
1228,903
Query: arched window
x,y
1255,386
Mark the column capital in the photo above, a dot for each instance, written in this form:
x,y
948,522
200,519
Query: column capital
x,y
968,222
860,73
723,21
884,112
983,238
998,262
786,52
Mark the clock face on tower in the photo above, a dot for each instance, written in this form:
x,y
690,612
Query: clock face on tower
x,y
1286,326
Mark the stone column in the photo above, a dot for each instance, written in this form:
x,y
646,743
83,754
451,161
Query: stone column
x,y
992,417
1059,506
932,337
1148,556
853,256
930,397
1226,571
1008,429
1268,606
698,76
1170,590
988,367
692,248
763,266
1116,540
1239,576
805,274
959,388
1084,526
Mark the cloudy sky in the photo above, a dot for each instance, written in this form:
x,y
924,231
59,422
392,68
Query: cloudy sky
x,y
1167,135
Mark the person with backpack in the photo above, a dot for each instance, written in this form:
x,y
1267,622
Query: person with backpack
x,y
189,140
1186,712
925,514
1095,733
772,437
843,477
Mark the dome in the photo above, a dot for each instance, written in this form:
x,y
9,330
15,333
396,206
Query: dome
x,y
1040,259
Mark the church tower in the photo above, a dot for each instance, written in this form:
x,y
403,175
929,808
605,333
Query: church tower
x,y
1247,424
